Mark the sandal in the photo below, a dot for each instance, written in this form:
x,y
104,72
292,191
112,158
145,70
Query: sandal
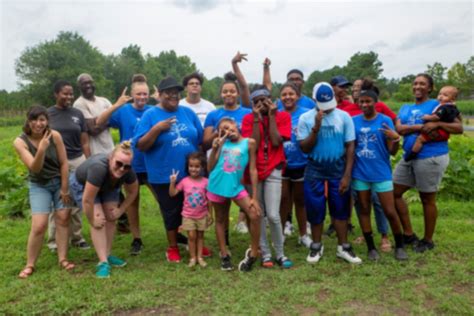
x,y
26,272
202,263
67,265
385,245
267,262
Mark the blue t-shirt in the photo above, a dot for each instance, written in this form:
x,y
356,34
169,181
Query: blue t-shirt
x,y
327,159
126,119
295,158
226,177
303,102
214,117
372,159
171,147
410,114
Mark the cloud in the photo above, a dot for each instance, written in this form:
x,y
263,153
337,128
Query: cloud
x,y
328,30
377,45
196,6
436,37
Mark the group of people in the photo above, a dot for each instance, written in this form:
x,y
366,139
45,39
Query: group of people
x,y
332,148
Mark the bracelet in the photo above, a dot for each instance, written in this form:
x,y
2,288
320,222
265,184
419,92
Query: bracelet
x,y
62,193
396,140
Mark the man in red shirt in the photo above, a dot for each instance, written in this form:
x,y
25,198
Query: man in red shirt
x,y
269,128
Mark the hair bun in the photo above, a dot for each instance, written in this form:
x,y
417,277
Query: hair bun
x,y
230,76
126,145
139,78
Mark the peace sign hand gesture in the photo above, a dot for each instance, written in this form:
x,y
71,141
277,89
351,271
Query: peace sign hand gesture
x,y
239,57
389,133
44,142
219,140
174,176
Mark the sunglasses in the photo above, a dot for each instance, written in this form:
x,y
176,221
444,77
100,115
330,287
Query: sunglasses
x,y
121,165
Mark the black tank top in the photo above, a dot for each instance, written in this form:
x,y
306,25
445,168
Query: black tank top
x,y
51,167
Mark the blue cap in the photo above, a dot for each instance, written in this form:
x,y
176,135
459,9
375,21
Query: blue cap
x,y
324,96
340,81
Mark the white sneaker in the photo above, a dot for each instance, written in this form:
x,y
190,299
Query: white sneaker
x,y
288,231
347,254
242,228
315,253
305,240
308,228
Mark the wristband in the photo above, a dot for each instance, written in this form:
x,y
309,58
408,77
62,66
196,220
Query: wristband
x,y
396,140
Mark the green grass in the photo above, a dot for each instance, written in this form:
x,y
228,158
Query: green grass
x,y
439,282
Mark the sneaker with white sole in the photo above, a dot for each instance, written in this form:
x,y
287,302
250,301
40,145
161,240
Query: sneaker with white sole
x,y
242,228
315,252
305,240
347,253
288,230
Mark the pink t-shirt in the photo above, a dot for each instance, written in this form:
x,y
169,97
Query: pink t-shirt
x,y
195,201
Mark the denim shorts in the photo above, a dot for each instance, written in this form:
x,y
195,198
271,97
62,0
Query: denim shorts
x,y
77,191
45,198
383,186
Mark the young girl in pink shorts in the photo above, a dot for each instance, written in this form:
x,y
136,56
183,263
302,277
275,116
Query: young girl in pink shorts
x,y
230,155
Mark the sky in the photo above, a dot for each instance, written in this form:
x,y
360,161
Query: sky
x,y
309,35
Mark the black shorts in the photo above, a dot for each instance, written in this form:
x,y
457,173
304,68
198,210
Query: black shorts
x,y
142,178
294,175
170,207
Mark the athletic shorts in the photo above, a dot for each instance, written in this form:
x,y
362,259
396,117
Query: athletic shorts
x,y
142,178
294,175
221,199
383,186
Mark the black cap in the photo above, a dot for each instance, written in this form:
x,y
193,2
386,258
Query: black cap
x,y
169,83
340,81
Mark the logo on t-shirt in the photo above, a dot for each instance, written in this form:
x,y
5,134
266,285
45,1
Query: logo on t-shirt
x,y
365,138
75,119
195,199
232,159
176,129
415,117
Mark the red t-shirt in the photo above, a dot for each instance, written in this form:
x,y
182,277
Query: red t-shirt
x,y
354,109
274,156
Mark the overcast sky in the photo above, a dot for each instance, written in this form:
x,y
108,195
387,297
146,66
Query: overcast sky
x,y
310,35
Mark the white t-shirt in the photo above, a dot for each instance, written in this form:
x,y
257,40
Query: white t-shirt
x,y
202,108
103,142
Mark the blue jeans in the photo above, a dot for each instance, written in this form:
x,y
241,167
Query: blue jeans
x,y
380,219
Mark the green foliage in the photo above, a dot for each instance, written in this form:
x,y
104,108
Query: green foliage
x,y
404,92
437,71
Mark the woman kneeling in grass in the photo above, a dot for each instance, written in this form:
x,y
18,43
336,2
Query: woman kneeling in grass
x,y
96,185
43,153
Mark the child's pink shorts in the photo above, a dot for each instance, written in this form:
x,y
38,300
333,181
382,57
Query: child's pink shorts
x,y
221,199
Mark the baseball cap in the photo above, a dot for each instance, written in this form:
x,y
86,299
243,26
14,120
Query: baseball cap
x,y
340,81
324,96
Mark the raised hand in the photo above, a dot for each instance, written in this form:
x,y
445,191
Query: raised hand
x,y
389,133
124,98
44,142
174,176
166,124
257,110
318,119
272,107
267,62
239,57
219,140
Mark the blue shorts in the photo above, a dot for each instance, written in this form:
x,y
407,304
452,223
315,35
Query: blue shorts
x,y
315,200
77,190
45,198
383,186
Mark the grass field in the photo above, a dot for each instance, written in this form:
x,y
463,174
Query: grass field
x,y
438,282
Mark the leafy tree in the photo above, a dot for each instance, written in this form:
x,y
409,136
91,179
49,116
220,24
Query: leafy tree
x,y
404,92
362,65
437,72
458,75
211,90
65,57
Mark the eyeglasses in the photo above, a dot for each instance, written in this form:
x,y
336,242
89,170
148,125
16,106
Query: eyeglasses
x,y
194,83
121,165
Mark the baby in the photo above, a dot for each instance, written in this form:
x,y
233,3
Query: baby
x,y
446,111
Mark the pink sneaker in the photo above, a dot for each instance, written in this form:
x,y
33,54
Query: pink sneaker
x,y
206,252
172,254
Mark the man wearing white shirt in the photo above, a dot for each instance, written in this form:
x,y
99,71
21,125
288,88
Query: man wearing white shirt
x,y
193,86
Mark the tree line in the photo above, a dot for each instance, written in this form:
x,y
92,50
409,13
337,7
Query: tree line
x,y
69,55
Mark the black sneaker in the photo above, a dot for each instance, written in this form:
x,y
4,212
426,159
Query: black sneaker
x,y
136,247
423,245
226,264
246,264
82,245
330,230
181,239
410,239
